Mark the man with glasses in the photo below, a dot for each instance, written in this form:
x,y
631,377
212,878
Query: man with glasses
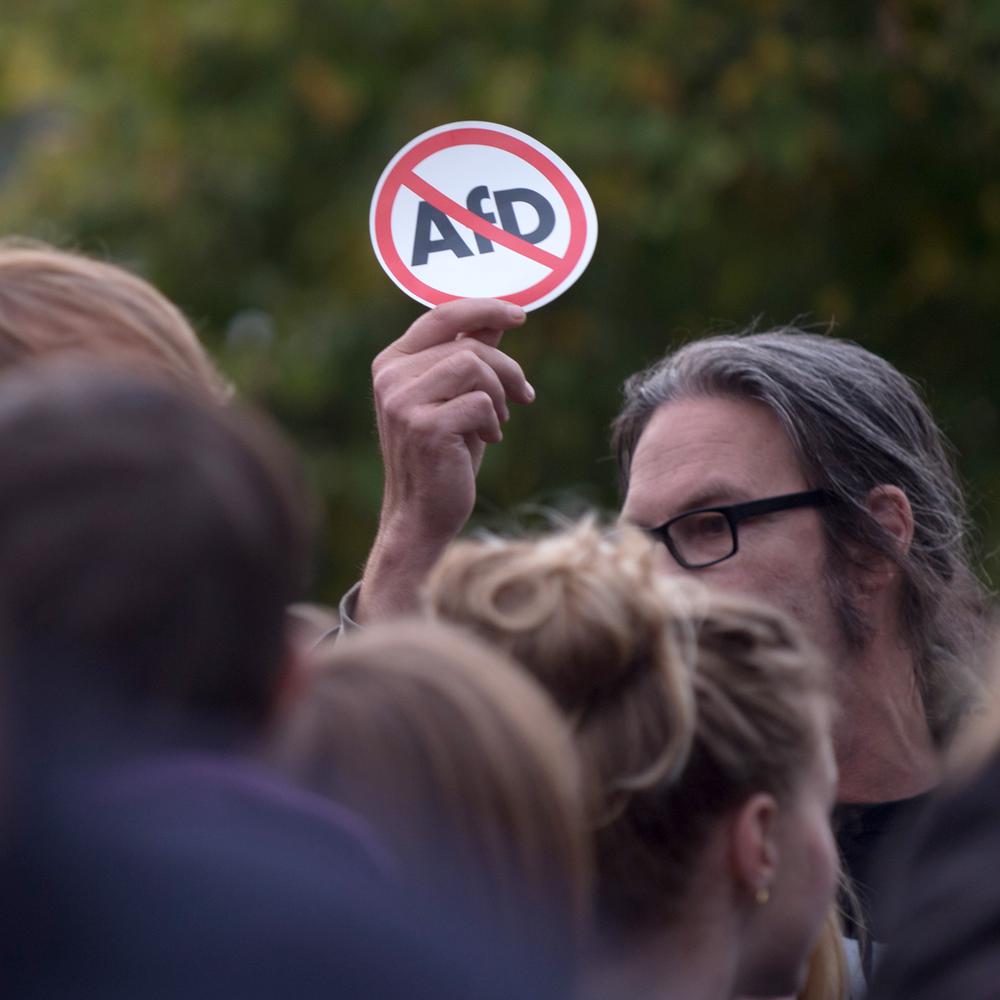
x,y
806,470
796,467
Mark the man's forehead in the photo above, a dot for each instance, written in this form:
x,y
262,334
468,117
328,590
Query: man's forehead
x,y
708,450
652,502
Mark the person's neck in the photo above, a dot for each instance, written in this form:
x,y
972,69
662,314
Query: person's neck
x,y
692,961
884,746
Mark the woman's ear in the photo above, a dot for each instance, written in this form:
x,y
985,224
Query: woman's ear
x,y
755,845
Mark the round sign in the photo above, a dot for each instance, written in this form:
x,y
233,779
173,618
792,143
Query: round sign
x,y
477,209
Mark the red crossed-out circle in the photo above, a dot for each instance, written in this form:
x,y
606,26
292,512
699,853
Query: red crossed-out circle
x,y
402,172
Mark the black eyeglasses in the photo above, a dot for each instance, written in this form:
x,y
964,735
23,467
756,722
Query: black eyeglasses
x,y
703,537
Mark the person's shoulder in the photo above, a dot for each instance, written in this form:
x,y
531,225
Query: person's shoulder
x,y
946,909
235,806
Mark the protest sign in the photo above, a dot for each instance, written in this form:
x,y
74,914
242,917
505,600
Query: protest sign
x,y
478,209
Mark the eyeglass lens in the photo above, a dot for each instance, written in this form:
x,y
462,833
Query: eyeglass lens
x,y
702,538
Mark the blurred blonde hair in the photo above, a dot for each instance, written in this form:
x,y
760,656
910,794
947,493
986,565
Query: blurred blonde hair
x,y
827,978
457,758
55,302
684,702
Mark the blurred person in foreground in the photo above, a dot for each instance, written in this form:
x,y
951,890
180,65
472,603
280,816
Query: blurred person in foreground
x,y
65,304
150,541
703,725
465,768
58,303
800,469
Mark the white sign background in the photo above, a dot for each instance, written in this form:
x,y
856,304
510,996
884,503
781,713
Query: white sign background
x,y
454,171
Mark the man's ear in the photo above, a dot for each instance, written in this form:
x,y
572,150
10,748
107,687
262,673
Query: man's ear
x,y
890,507
754,845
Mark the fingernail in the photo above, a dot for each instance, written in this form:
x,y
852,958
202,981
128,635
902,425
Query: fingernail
x,y
531,390
516,314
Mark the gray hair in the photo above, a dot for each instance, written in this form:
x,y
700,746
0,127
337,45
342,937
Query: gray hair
x,y
855,423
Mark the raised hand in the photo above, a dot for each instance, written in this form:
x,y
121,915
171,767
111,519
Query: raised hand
x,y
441,395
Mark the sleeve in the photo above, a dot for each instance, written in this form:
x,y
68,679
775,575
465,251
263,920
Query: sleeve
x,y
347,623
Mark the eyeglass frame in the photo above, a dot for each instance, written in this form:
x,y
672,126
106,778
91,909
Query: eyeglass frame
x,y
737,512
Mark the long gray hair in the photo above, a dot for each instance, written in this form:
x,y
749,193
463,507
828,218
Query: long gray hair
x,y
856,423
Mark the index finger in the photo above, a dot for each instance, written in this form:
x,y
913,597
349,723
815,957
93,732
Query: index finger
x,y
447,321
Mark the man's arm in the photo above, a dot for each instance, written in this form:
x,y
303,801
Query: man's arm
x,y
441,394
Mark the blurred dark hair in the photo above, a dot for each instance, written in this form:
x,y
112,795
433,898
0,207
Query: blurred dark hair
x,y
855,423
147,534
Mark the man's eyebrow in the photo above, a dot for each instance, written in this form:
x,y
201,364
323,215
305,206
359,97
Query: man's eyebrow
x,y
718,493
714,493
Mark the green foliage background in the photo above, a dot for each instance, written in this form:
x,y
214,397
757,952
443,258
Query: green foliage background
x,y
774,159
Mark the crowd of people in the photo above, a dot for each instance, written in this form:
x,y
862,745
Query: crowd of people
x,y
740,741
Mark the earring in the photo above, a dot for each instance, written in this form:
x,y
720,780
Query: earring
x,y
763,895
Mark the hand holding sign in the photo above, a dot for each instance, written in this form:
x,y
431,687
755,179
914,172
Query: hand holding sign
x,y
441,393
474,212
477,209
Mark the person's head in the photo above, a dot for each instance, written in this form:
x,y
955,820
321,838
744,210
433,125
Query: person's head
x,y
460,761
149,538
731,419
703,724
55,302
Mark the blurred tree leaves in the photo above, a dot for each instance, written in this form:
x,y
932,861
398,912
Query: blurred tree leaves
x,y
773,158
